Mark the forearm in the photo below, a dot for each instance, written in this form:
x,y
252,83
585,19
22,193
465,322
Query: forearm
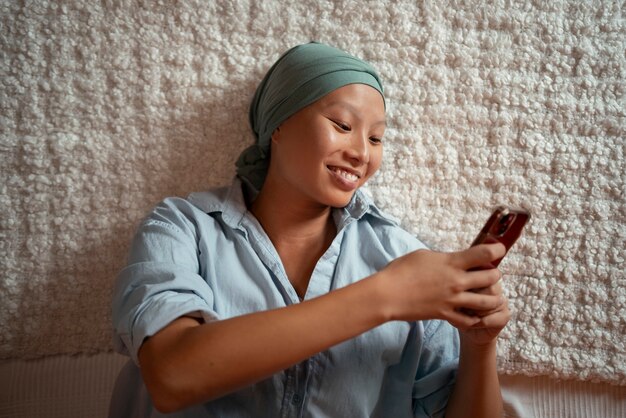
x,y
477,389
185,365
188,363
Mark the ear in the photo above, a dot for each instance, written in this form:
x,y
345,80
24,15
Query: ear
x,y
275,135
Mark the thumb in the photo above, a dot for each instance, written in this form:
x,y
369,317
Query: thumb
x,y
479,256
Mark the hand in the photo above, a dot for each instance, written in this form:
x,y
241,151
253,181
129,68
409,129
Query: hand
x,y
491,321
426,285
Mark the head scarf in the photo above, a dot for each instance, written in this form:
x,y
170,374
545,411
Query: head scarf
x,y
301,76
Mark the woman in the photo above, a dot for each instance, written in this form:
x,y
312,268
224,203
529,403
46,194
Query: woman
x,y
290,293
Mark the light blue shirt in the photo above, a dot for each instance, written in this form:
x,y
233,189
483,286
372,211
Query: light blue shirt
x,y
208,256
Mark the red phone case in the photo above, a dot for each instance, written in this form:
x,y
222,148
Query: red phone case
x,y
505,225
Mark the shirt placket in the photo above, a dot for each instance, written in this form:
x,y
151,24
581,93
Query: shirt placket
x,y
297,377
297,389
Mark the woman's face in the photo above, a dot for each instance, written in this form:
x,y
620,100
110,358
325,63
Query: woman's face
x,y
327,150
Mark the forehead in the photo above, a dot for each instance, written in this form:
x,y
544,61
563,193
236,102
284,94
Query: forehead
x,y
357,98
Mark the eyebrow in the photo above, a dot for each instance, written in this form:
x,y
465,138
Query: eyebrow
x,y
354,111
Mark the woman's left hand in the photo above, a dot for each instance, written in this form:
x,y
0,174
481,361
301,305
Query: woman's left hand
x,y
491,322
477,388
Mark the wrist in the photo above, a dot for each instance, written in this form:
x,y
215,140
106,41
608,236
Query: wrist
x,y
471,349
376,296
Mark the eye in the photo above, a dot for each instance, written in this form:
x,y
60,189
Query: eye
x,y
341,125
376,140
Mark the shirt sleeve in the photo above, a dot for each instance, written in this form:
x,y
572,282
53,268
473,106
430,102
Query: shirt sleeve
x,y
161,281
437,368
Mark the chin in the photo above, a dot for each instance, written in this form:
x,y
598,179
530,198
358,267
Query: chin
x,y
339,201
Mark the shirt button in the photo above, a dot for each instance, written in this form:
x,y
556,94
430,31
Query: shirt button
x,y
296,399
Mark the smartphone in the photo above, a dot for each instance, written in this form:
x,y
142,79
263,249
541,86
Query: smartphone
x,y
505,225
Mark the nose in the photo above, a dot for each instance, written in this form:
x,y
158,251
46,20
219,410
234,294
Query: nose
x,y
359,148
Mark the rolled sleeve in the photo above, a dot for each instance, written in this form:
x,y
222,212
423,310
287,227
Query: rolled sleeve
x,y
437,369
161,282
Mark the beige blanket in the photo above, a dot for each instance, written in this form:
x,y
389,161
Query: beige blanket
x,y
107,108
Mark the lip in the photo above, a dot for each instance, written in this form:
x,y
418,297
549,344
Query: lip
x,y
342,182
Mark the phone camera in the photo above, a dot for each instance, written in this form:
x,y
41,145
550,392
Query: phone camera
x,y
505,223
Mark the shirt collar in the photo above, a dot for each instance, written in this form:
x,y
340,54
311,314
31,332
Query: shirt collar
x,y
230,202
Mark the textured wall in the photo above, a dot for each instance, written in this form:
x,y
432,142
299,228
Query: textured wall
x,y
107,108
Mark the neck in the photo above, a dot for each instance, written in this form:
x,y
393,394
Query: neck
x,y
298,221
300,229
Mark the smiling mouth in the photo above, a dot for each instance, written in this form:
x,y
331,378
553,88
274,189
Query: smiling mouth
x,y
349,176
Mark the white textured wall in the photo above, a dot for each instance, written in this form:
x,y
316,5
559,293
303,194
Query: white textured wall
x,y
107,108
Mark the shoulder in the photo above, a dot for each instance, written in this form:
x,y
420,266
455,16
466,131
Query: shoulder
x,y
175,227
386,229
394,237
198,207
174,213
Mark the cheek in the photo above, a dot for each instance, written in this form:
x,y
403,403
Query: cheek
x,y
376,158
325,136
321,142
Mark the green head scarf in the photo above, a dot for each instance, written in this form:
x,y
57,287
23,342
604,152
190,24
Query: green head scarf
x,y
301,76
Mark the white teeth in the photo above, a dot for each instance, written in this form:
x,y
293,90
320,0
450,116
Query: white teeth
x,y
345,174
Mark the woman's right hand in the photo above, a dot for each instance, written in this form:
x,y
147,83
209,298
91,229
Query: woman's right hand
x,y
433,285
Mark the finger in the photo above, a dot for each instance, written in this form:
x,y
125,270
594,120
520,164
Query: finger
x,y
479,255
482,279
462,321
495,289
497,320
475,302
484,313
